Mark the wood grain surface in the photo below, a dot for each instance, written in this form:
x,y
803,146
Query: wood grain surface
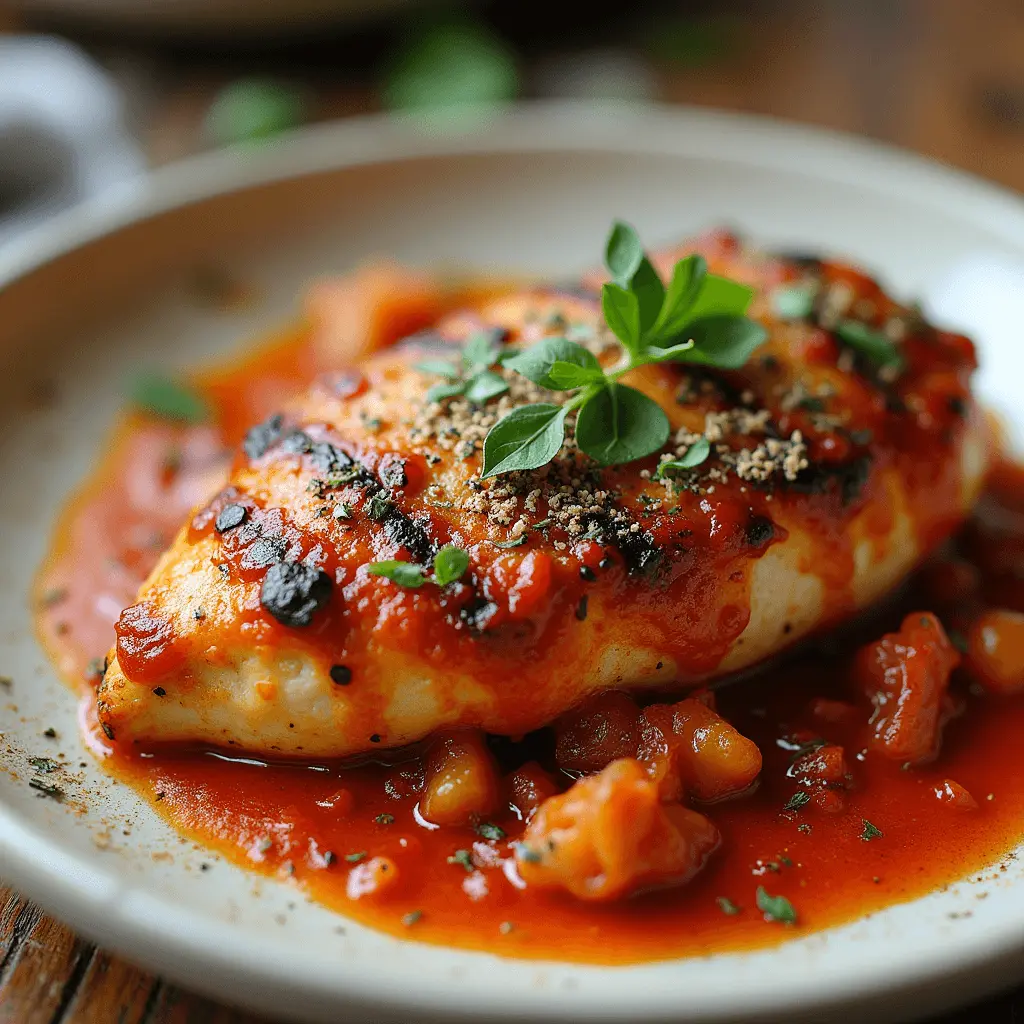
x,y
942,77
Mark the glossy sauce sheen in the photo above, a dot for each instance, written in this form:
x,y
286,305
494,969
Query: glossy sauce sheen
x,y
316,824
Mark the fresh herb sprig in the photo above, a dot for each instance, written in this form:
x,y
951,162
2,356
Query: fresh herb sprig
x,y
697,318
472,377
450,564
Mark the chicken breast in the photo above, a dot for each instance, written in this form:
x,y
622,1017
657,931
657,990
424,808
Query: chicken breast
x,y
830,476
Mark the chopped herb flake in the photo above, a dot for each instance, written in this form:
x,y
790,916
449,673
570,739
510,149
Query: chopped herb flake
x,y
464,858
355,858
489,831
799,799
385,819
775,908
870,831
727,906
160,395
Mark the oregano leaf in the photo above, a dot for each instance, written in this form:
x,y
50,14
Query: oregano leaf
x,y
623,253
450,564
723,341
484,386
687,279
441,367
538,360
527,438
620,424
719,296
439,392
621,310
696,454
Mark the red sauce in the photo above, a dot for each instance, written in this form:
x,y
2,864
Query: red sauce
x,y
884,835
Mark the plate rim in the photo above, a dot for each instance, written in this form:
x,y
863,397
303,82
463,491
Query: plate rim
x,y
58,880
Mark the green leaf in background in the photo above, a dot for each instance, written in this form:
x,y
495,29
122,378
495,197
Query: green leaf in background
x,y
538,362
794,303
439,392
869,342
621,310
160,395
620,424
723,341
405,574
449,64
484,386
439,366
450,564
696,454
479,352
527,438
252,109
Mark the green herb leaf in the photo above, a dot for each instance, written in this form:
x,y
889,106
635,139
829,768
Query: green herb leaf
x,y
687,280
775,908
695,455
720,296
405,574
463,857
479,352
539,362
620,424
727,906
527,438
723,341
869,342
623,253
450,564
161,395
799,799
411,918
621,310
485,386
649,290
385,819
439,392
870,831
439,366
355,858
489,831
795,302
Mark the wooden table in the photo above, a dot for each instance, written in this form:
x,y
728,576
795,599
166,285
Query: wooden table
x,y
943,77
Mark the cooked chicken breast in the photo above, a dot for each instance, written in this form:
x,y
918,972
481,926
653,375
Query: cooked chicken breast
x,y
829,478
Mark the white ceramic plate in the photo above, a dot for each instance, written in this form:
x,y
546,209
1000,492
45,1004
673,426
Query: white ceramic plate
x,y
103,287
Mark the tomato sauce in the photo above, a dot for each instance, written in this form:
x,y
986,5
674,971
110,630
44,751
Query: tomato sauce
x,y
888,833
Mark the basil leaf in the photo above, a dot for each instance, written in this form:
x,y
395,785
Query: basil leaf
x,y
621,310
868,342
795,302
719,296
479,352
775,908
623,254
439,366
527,438
566,376
695,455
687,279
537,361
723,341
405,574
441,391
450,564
620,424
484,386
163,396
253,109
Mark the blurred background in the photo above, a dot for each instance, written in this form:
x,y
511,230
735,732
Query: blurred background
x,y
94,92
